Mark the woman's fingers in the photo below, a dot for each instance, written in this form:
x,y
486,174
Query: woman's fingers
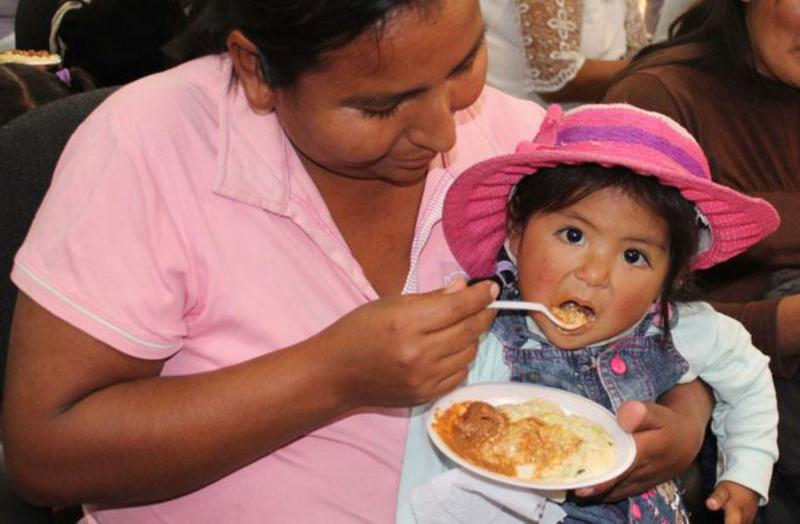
x,y
634,416
450,383
405,350
650,425
438,310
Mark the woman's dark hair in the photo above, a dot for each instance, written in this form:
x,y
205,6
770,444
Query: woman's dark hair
x,y
714,33
292,35
25,87
555,188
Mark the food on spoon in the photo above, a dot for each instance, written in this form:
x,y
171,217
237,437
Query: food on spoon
x,y
534,440
571,314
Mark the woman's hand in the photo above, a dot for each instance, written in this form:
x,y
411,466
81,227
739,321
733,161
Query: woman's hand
x,y
668,437
406,350
740,503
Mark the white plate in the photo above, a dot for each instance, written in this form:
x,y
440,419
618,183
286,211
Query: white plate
x,y
496,393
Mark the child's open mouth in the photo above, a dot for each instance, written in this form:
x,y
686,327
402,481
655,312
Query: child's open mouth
x,y
575,315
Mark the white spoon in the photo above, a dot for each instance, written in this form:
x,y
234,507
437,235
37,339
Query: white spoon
x,y
536,306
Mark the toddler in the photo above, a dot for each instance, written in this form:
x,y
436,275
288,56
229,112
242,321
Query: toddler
x,y
607,210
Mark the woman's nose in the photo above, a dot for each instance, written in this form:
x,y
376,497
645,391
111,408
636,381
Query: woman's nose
x,y
435,128
595,270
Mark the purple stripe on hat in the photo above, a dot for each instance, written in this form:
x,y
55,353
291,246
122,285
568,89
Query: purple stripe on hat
x,y
633,135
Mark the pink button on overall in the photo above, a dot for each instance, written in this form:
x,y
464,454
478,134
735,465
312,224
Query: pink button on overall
x,y
618,365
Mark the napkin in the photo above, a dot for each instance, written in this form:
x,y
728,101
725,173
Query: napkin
x,y
458,496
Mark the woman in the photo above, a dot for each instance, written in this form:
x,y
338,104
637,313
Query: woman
x,y
227,325
731,75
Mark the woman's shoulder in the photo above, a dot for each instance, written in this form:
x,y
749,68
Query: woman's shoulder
x,y
674,67
499,106
664,83
498,122
175,98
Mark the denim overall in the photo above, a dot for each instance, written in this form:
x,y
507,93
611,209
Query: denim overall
x,y
636,366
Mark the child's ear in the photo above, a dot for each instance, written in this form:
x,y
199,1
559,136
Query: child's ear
x,y
514,239
247,66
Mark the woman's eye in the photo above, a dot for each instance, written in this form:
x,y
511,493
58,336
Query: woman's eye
x,y
635,258
465,67
572,235
380,113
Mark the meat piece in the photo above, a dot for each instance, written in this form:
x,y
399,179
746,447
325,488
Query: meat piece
x,y
480,421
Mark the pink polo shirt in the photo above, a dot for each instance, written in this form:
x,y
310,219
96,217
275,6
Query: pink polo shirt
x,y
181,224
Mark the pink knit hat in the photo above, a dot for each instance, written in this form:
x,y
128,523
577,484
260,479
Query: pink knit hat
x,y
648,143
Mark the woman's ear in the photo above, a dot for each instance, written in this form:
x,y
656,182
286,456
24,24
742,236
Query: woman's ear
x,y
247,66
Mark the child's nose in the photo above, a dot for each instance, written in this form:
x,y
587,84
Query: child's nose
x,y
595,270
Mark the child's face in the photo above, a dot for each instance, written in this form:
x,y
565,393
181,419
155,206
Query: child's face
x,y
606,253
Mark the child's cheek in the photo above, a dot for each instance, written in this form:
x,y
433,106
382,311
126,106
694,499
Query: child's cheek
x,y
539,278
631,306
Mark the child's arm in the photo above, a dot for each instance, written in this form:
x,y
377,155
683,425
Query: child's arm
x,y
745,417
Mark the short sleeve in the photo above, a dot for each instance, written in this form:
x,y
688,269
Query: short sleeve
x,y
104,252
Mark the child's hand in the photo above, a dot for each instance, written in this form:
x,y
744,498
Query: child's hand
x,y
740,503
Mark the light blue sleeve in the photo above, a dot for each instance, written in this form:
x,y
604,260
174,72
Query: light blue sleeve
x,y
745,417
421,460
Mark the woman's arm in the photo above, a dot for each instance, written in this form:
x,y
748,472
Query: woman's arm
x,y
86,423
668,437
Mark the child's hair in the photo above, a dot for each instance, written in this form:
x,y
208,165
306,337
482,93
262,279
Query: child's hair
x,y
24,87
555,188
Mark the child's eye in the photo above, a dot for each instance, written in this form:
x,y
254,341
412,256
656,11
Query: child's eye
x,y
636,258
571,235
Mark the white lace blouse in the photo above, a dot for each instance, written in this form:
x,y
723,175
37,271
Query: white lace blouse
x,y
538,46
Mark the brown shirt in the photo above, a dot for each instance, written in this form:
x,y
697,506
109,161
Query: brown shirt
x,y
751,135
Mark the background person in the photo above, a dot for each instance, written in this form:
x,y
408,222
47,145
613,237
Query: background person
x,y
24,87
116,41
565,51
8,9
